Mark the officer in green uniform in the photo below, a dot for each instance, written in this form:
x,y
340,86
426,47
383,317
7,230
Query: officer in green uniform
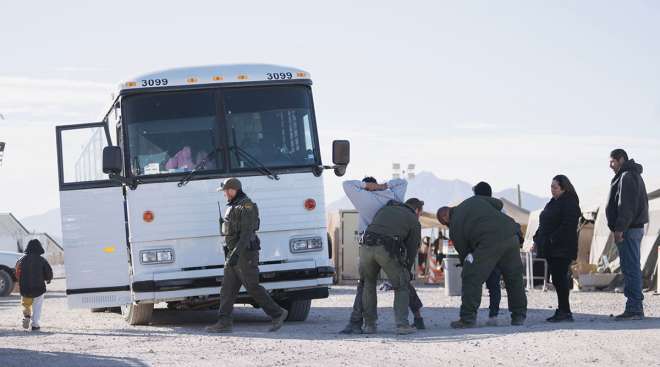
x,y
242,259
484,238
390,243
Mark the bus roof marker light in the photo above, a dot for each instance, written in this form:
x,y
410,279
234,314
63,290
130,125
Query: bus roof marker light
x,y
191,80
131,84
242,77
218,78
301,74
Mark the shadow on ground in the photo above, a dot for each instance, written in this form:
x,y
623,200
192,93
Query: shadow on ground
x,y
17,357
325,322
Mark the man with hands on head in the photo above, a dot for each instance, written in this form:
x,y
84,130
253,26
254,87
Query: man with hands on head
x,y
368,197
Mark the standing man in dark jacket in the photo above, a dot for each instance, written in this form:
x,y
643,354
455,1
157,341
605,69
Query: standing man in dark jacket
x,y
627,213
242,259
493,281
485,238
556,240
33,272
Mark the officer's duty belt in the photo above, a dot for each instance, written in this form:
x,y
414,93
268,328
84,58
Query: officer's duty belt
x,y
377,239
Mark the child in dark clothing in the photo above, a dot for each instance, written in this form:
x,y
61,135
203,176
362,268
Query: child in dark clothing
x,y
33,272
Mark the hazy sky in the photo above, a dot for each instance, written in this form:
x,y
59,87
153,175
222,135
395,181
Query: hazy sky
x,y
508,91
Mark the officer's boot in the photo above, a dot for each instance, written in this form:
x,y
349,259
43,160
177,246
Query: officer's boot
x,y
352,328
405,329
463,324
370,329
279,321
220,327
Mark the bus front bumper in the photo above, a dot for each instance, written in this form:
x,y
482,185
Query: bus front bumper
x,y
307,283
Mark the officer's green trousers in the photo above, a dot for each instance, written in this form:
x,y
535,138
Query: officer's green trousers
x,y
372,260
505,255
245,273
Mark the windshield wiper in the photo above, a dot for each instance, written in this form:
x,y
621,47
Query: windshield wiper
x,y
255,163
199,166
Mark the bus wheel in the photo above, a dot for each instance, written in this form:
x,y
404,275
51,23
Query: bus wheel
x,y
6,283
298,309
137,314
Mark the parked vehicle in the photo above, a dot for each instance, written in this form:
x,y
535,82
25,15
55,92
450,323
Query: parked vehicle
x,y
141,212
8,271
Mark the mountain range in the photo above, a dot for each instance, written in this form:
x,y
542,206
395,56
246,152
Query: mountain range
x,y
437,192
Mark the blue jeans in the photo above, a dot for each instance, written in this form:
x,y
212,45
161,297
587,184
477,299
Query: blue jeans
x,y
631,269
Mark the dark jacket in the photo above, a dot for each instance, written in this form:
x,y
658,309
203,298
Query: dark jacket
x,y
34,271
628,205
241,224
397,219
478,221
558,224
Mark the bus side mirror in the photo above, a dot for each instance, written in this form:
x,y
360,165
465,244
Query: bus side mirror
x,y
112,162
341,152
341,156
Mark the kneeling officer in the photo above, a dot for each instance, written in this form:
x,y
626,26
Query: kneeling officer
x,y
242,259
390,242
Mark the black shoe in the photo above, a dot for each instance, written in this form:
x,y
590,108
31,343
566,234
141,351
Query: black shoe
x,y
462,324
419,323
517,320
627,316
352,328
36,328
560,316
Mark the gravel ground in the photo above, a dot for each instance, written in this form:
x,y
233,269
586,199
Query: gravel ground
x,y
81,338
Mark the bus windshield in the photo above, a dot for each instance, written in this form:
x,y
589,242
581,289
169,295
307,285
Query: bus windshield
x,y
171,132
175,132
272,124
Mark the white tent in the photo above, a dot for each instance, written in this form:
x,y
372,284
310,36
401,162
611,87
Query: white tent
x,y
519,214
15,237
532,227
651,241
603,241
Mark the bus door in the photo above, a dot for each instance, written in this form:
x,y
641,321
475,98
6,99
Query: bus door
x,y
93,220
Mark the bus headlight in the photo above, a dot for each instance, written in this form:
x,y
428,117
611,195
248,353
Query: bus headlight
x,y
306,244
163,256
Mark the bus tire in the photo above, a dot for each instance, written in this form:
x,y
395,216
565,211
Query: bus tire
x,y
137,314
298,309
6,283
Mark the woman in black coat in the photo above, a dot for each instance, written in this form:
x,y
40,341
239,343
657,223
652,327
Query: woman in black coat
x,y
556,240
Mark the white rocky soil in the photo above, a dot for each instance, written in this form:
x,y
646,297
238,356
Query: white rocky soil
x,y
80,338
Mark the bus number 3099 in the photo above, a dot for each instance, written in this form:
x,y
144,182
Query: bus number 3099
x,y
279,76
154,82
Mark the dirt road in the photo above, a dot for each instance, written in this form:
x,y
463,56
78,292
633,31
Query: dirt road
x,y
81,338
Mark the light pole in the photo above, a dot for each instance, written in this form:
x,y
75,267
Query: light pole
x,y
408,173
2,152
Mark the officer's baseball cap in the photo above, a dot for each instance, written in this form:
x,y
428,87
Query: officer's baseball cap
x,y
415,203
231,183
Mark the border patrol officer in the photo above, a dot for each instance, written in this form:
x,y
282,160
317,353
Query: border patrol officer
x,y
390,242
485,238
242,259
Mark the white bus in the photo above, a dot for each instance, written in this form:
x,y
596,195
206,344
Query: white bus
x,y
139,200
